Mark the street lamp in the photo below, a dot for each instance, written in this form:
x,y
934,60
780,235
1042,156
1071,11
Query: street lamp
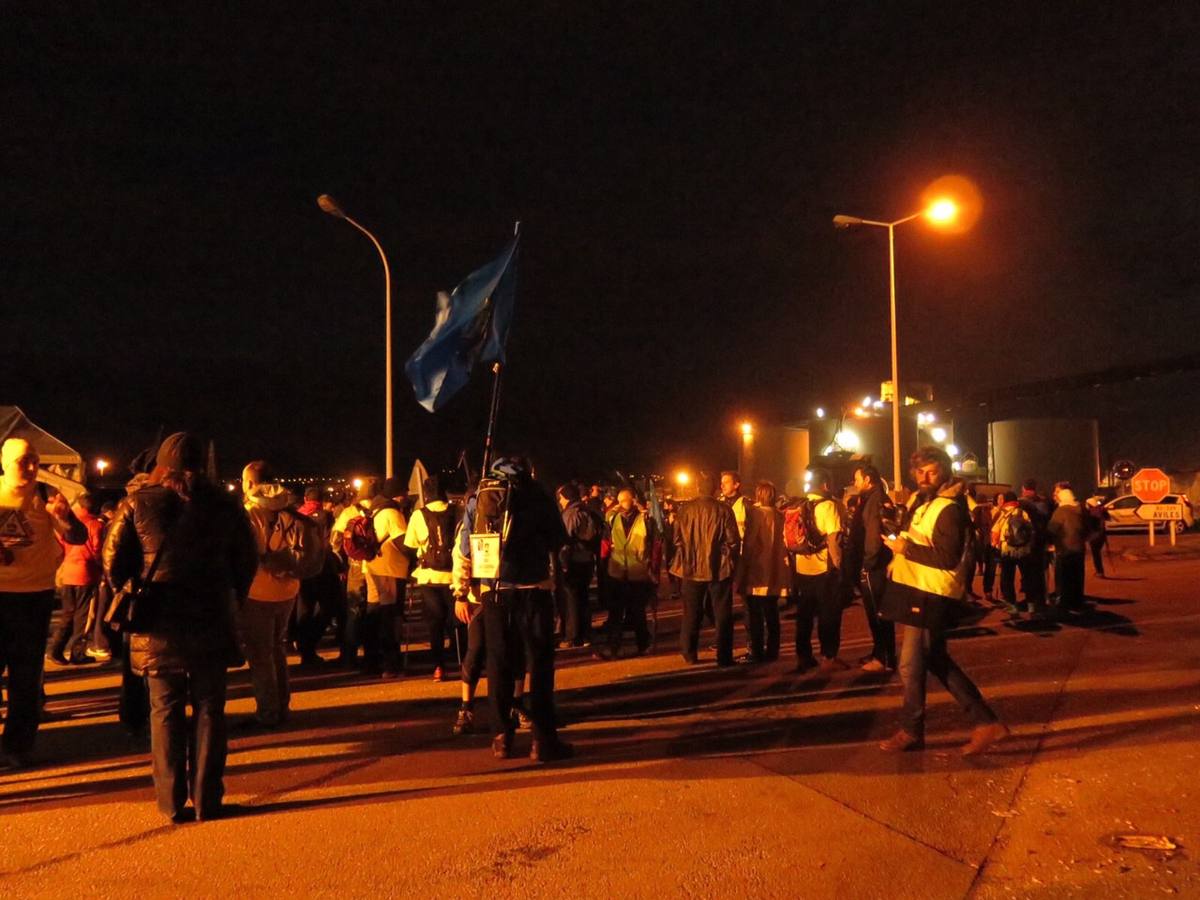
x,y
101,465
330,206
941,212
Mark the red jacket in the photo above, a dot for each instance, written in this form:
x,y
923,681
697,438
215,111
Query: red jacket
x,y
81,564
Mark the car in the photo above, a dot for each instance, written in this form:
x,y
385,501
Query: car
x,y
1121,513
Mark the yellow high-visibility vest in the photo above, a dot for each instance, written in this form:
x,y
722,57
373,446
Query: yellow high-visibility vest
x,y
629,560
943,582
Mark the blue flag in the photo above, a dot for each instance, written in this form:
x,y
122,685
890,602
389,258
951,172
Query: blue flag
x,y
471,326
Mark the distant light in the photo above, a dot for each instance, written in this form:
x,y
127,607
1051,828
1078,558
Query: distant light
x,y
956,466
942,211
357,483
859,411
867,400
329,205
938,434
847,440
230,487
820,412
952,449
878,404
930,418
101,465
682,478
747,429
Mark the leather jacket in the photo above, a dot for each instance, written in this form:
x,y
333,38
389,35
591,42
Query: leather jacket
x,y
207,562
706,541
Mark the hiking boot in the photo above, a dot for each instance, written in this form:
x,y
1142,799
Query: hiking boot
x,y
901,742
983,737
502,745
550,751
465,722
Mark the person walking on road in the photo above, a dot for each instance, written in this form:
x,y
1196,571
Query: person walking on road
x,y
194,545
632,578
1068,532
764,574
866,566
817,578
430,535
29,556
707,547
263,618
928,576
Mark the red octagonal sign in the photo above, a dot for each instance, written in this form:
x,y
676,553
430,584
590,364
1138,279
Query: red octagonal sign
x,y
1150,485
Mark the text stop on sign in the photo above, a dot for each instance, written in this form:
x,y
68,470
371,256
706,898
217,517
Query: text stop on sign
x,y
1150,485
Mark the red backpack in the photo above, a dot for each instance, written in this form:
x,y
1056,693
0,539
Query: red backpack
x,y
800,532
359,540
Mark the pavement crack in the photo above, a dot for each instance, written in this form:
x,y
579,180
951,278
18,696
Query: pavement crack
x,y
858,812
1028,767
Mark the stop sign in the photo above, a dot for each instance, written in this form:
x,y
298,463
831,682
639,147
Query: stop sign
x,y
1150,485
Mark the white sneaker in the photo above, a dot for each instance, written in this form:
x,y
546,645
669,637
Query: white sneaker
x,y
97,654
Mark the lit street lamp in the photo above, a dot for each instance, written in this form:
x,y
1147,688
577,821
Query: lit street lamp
x,y
101,466
329,205
940,212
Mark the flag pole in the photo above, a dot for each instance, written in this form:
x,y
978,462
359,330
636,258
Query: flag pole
x,y
491,429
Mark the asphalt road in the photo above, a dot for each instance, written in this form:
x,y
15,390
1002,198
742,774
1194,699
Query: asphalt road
x,y
689,781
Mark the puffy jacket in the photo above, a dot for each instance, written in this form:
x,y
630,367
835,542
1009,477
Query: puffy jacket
x,y
207,563
81,562
706,541
584,527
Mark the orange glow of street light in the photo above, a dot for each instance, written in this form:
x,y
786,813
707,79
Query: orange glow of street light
x,y
747,429
942,212
682,478
101,465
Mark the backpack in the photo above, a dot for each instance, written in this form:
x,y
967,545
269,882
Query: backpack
x,y
439,547
800,532
1017,536
360,541
491,505
294,546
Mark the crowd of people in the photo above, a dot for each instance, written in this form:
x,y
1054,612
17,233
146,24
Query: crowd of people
x,y
183,580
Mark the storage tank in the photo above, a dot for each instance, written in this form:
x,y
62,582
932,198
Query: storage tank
x,y
1049,450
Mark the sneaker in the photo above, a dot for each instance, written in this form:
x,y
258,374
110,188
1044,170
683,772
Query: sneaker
x,y
901,742
983,737
550,751
829,665
99,654
874,666
465,721
502,745
438,674
748,659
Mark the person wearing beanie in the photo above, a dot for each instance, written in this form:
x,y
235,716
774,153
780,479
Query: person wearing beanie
x,y
190,545
29,556
263,619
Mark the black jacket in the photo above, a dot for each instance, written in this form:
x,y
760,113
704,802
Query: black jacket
x,y
535,535
208,561
865,548
706,538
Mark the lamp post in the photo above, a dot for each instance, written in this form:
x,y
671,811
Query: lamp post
x,y
330,206
940,212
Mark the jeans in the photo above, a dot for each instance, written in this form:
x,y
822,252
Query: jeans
x,y
264,642
1068,577
818,598
24,624
71,632
1008,579
627,606
315,609
520,622
189,760
694,593
762,623
883,631
1033,577
922,652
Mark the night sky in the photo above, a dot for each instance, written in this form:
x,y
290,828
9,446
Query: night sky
x,y
674,167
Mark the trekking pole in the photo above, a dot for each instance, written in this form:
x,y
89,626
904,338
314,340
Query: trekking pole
x,y
457,643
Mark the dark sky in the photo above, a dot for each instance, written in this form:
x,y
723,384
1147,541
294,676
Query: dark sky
x,y
675,168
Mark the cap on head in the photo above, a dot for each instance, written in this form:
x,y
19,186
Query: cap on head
x,y
392,488
180,452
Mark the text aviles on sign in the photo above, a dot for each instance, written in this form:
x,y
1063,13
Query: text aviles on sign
x,y
1150,485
